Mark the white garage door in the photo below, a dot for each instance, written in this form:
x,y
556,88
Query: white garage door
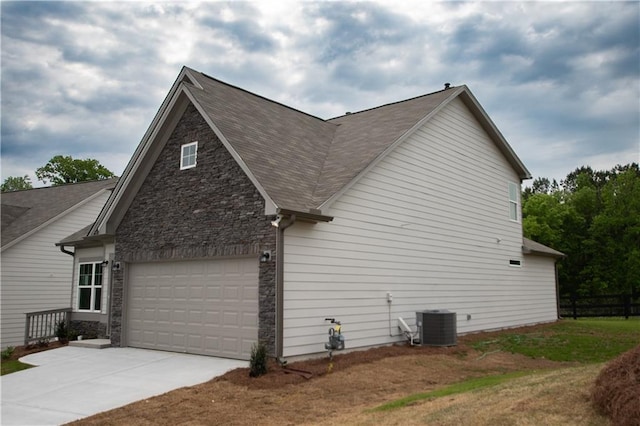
x,y
206,307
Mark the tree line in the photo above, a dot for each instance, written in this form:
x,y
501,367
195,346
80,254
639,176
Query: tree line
x,y
60,170
592,216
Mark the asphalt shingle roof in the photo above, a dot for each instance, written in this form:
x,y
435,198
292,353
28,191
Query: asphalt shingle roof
x,y
284,148
301,160
23,211
533,247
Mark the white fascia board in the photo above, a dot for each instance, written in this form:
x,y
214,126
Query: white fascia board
x,y
454,93
486,122
55,218
139,154
270,207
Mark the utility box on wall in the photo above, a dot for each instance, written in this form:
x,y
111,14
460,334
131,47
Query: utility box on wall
x,y
437,327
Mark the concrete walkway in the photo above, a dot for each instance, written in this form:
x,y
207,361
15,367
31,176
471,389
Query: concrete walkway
x,y
74,382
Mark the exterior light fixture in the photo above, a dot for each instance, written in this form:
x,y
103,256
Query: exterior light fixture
x,y
276,222
266,256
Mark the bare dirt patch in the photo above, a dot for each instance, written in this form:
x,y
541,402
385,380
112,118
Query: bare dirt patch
x,y
356,381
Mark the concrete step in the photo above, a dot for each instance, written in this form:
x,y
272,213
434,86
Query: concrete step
x,y
91,343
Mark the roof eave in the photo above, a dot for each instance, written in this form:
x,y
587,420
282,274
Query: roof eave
x,y
489,126
175,100
531,247
270,205
314,216
100,225
88,241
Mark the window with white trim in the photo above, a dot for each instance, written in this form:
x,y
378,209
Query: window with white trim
x,y
514,189
188,156
90,287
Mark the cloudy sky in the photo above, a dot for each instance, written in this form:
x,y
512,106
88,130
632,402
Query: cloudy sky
x,y
561,80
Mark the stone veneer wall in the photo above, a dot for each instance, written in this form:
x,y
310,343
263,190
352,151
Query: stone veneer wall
x,y
207,211
88,329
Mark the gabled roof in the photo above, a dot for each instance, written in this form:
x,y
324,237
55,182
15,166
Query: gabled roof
x,y
283,148
24,212
297,161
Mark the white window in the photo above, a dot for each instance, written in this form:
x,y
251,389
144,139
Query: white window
x,y
189,155
513,201
90,287
515,263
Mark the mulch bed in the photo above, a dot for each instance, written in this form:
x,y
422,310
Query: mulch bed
x,y
21,351
318,367
616,392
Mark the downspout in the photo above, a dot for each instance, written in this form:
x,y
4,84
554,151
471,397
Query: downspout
x,y
281,226
555,268
70,253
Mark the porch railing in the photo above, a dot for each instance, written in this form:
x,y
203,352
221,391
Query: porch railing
x,y
42,325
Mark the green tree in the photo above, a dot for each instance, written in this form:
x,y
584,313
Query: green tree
x,y
16,183
615,233
594,218
540,186
65,169
543,218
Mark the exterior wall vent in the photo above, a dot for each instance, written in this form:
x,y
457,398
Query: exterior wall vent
x,y
437,327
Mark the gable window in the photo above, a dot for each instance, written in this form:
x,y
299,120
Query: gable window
x,y
90,287
513,201
189,153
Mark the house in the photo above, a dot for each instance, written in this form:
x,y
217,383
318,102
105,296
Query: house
x,y
240,219
35,273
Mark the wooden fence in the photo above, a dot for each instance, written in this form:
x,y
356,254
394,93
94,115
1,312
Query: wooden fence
x,y
608,305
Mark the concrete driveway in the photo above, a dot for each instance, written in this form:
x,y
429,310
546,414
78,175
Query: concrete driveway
x,y
71,382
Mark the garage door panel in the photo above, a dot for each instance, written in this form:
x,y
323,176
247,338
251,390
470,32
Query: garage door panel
x,y
202,307
212,317
211,344
230,319
213,294
163,315
249,319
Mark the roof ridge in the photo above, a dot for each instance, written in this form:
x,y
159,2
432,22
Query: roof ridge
x,y
393,103
61,185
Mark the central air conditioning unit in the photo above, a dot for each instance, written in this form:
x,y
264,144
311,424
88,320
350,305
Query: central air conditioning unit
x,y
437,327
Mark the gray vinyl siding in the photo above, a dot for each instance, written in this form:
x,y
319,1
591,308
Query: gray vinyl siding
x,y
430,224
36,275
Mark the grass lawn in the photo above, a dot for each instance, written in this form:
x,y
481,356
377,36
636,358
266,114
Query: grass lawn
x,y
551,397
583,340
11,366
460,387
593,340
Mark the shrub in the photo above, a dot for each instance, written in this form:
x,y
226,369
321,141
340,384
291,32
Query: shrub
x,y
62,332
258,361
616,392
6,354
